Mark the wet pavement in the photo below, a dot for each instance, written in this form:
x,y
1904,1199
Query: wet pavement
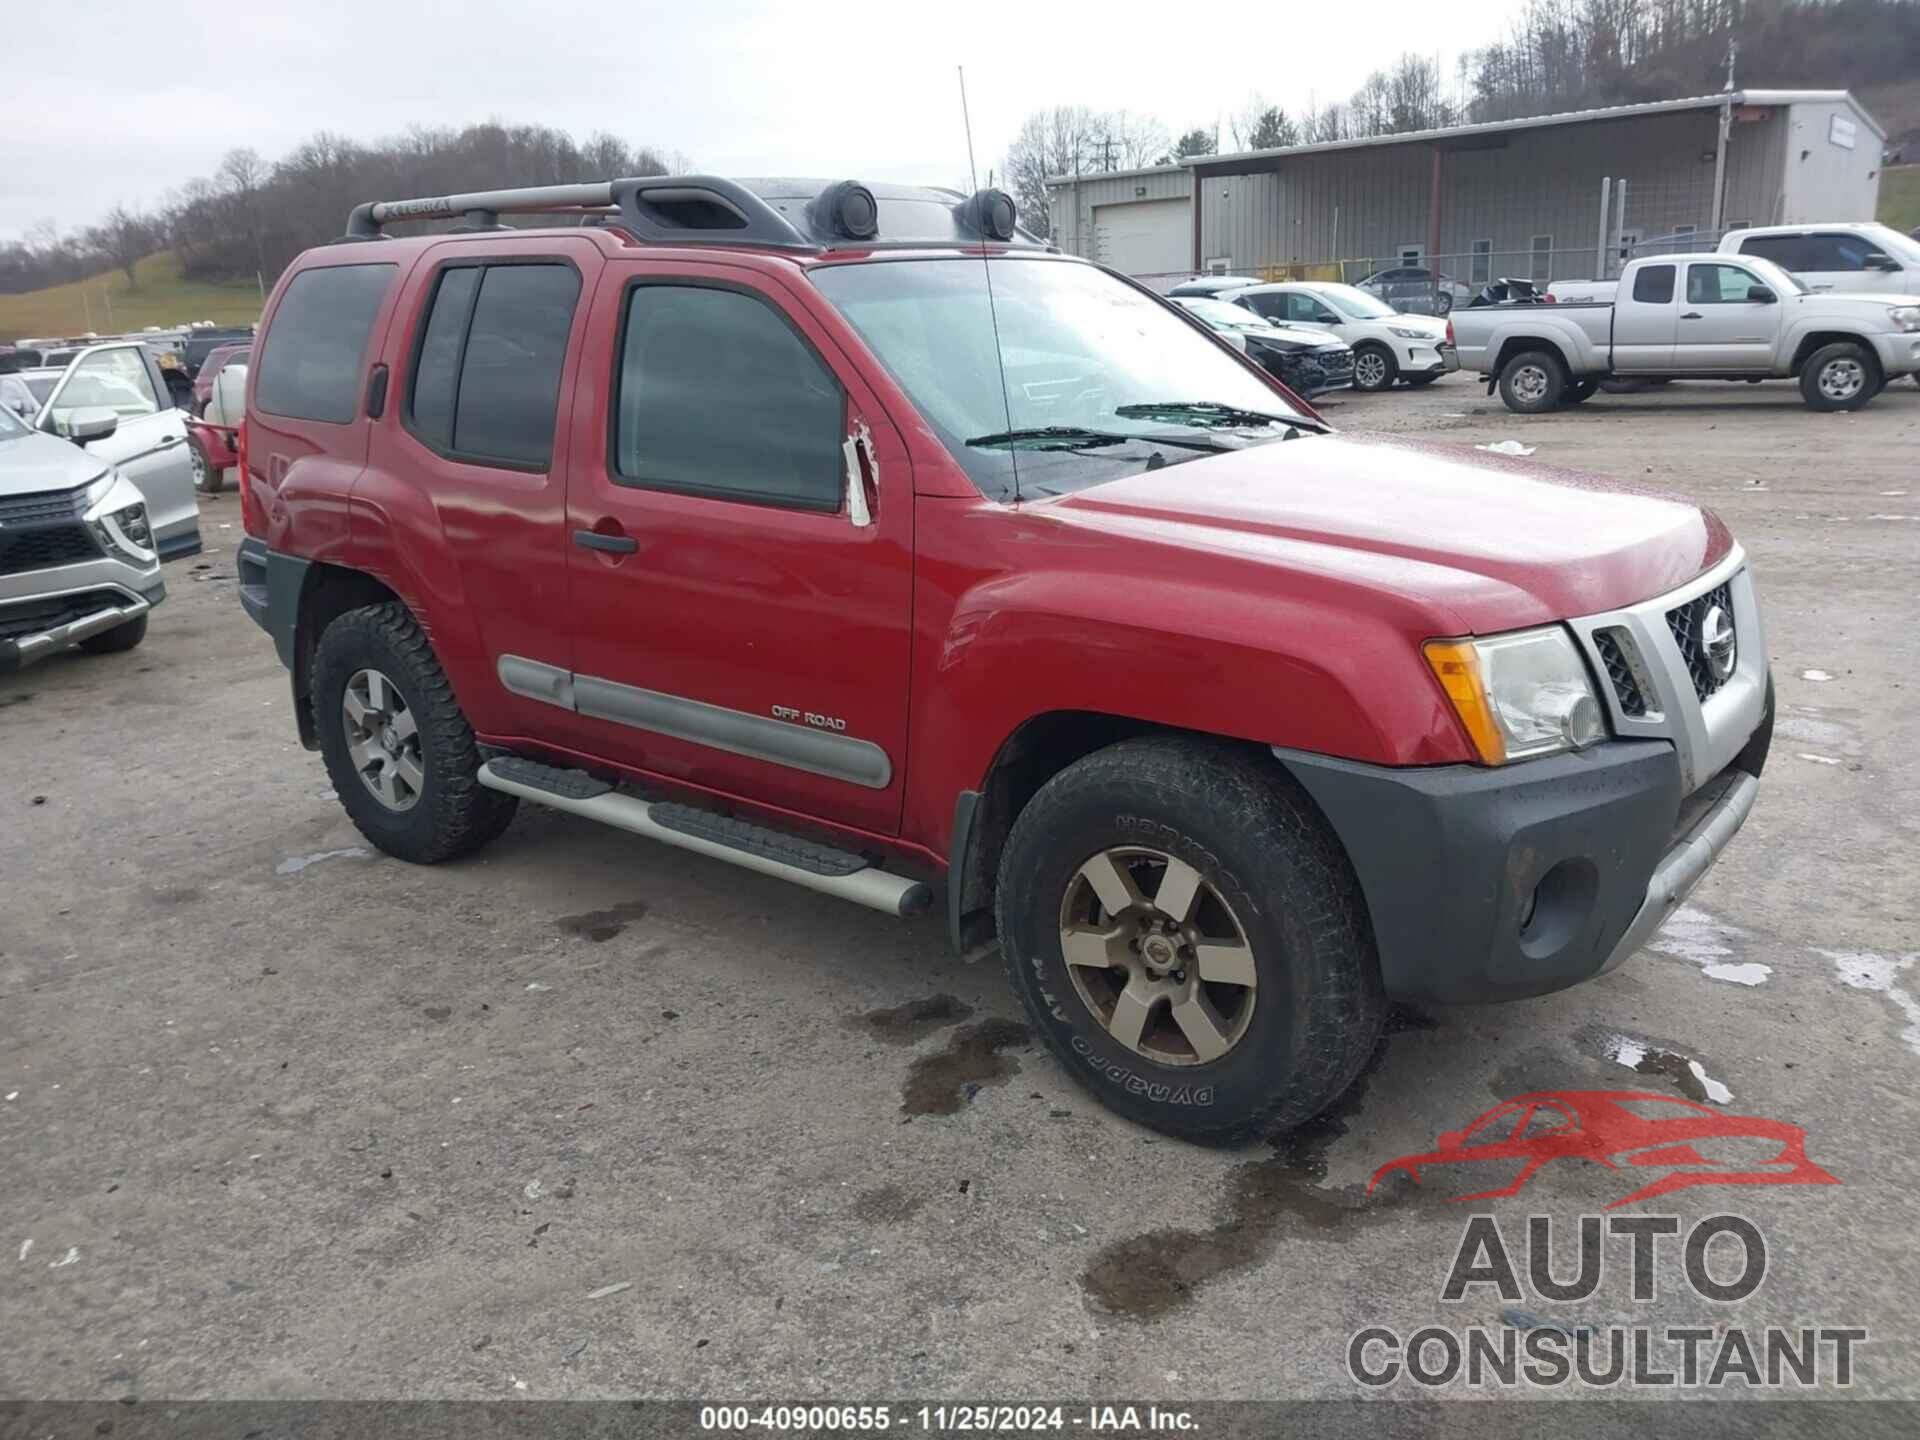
x,y
585,1117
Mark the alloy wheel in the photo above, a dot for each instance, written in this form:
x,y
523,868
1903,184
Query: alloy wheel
x,y
1157,956
1842,379
383,740
1369,370
1530,383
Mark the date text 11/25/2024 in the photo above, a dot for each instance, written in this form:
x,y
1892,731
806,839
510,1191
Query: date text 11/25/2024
x,y
948,1419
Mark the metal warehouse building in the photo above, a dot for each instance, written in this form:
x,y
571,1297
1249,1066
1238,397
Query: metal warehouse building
x,y
1512,197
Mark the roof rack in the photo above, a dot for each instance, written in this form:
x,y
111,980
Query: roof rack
x,y
711,210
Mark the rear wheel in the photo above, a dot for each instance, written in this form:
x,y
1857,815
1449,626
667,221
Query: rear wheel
x,y
397,747
208,478
1180,997
1374,368
121,637
1841,376
1533,381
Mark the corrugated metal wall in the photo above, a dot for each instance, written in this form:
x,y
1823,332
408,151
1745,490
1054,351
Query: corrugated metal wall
x,y
1071,205
1823,180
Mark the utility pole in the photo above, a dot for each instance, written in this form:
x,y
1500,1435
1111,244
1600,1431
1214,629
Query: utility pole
x,y
1720,148
1106,152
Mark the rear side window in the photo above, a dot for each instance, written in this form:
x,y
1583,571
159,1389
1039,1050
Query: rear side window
x,y
310,367
717,395
1789,252
1654,285
486,382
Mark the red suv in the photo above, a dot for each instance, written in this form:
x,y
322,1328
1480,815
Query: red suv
x,y
839,520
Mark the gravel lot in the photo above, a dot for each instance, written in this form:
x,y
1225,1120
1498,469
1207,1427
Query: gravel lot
x,y
284,1118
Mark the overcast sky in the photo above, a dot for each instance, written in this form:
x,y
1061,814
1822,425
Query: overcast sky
x,y
116,101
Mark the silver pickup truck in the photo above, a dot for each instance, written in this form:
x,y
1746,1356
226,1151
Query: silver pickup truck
x,y
1694,317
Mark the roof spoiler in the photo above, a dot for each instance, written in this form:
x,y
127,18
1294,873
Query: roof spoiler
x,y
658,208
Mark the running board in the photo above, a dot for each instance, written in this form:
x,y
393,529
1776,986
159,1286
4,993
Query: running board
x,y
738,842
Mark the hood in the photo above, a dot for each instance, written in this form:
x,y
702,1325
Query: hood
x,y
1484,543
1864,297
1310,335
1426,324
44,462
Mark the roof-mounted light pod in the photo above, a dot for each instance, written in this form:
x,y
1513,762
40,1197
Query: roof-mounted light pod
x,y
990,214
849,209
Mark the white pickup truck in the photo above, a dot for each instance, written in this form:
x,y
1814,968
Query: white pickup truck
x,y
1694,317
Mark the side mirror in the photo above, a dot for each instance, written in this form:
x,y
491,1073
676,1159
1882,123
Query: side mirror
x,y
85,423
1760,294
1882,262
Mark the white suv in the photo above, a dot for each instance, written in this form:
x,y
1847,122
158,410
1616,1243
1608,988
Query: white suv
x,y
1387,345
1856,258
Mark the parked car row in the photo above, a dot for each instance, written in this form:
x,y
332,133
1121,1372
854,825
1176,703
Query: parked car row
x,y
1386,345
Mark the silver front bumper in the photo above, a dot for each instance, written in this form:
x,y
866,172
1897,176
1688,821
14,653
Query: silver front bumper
x,y
23,650
1686,864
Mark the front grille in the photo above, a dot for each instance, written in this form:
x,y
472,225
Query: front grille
x,y
1684,621
30,617
44,546
41,506
1611,645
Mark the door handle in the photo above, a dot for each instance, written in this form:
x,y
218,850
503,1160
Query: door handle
x,y
1693,315
612,544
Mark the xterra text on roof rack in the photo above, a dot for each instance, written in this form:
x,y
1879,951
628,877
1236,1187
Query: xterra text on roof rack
x,y
848,534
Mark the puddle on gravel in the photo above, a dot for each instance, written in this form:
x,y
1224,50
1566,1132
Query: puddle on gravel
x,y
601,925
1866,970
912,1022
943,1083
1693,935
885,1205
1644,1057
1146,1276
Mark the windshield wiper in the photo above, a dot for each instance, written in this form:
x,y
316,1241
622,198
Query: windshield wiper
x,y
1208,412
1072,437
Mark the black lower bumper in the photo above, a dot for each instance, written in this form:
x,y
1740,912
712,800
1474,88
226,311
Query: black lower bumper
x,y
1498,884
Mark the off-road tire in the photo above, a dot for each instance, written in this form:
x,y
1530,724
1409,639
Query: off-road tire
x,y
1257,839
1516,374
1388,372
454,815
1842,352
1579,391
114,641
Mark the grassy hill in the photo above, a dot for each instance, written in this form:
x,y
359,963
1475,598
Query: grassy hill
x,y
106,304
1900,196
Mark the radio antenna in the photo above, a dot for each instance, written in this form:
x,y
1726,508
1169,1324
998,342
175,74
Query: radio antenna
x,y
986,270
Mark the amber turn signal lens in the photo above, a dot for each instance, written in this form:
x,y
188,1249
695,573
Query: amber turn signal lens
x,y
1456,665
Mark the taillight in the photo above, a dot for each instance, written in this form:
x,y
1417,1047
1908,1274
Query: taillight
x,y
250,519
1449,332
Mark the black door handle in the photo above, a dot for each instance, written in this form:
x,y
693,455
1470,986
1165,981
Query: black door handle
x,y
1692,315
613,544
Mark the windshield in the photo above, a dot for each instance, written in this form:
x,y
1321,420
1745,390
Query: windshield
x,y
1223,316
1063,345
1354,302
1903,248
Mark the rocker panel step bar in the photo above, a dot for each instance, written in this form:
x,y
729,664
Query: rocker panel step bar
x,y
738,842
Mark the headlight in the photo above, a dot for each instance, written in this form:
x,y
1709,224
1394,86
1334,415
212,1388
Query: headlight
x,y
123,530
1519,695
1905,317
1407,332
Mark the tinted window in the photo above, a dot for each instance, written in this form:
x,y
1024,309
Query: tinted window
x,y
1718,284
1653,285
1268,307
311,367
717,393
430,404
1839,252
510,377
1786,251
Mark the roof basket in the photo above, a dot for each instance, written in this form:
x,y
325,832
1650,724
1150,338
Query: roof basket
x,y
660,208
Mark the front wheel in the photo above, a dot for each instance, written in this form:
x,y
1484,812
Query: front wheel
x,y
1841,376
1374,368
1188,937
397,747
1532,382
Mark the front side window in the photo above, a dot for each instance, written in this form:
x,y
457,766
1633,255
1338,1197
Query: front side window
x,y
1718,284
1055,346
311,366
486,382
716,394
1841,252
115,379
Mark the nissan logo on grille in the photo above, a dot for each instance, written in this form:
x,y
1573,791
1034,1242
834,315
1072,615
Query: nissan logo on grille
x,y
1717,642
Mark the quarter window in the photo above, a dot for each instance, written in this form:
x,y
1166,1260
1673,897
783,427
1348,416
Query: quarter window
x,y
487,380
1653,285
1789,252
310,368
716,394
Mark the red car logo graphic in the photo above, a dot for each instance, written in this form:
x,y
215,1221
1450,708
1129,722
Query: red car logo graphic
x,y
1623,1130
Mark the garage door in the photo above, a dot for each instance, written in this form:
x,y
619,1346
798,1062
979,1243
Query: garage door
x,y
1147,237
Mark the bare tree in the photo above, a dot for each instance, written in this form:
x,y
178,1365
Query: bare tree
x,y
128,238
